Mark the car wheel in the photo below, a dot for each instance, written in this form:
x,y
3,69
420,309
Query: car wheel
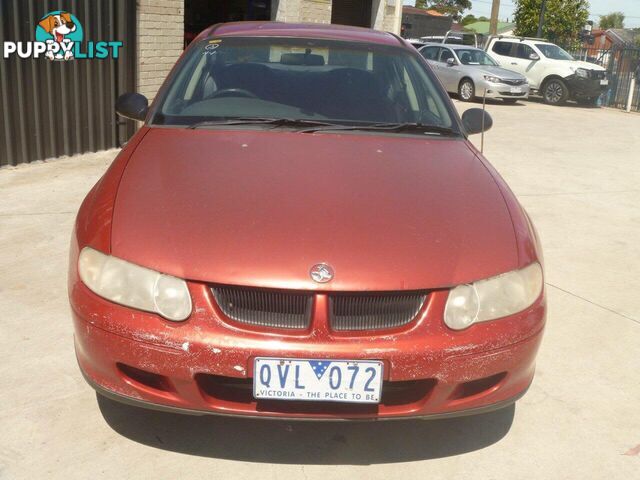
x,y
466,90
510,101
555,92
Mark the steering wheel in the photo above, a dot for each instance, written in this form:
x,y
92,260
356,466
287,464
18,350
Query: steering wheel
x,y
233,92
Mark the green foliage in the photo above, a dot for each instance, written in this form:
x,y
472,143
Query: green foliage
x,y
467,19
612,20
563,21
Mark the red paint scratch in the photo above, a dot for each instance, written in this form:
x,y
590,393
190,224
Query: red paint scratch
x,y
634,451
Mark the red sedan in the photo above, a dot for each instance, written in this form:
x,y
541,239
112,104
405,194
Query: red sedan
x,y
301,228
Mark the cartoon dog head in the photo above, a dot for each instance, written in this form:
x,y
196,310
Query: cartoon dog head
x,y
58,25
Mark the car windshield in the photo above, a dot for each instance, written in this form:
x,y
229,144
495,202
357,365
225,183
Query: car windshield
x,y
474,57
553,52
268,79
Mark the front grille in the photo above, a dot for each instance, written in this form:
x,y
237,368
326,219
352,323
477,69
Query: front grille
x,y
514,82
374,312
265,308
598,74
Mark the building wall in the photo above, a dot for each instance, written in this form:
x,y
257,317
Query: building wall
x,y
160,41
315,11
319,11
390,22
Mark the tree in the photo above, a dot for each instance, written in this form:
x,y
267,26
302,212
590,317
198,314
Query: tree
x,y
467,19
612,20
453,8
563,20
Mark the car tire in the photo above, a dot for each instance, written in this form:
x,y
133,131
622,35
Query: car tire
x,y
555,92
510,101
466,90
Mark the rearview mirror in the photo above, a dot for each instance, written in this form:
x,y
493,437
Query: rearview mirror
x,y
476,120
534,56
451,62
133,106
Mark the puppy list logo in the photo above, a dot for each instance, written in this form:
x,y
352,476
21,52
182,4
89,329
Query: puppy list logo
x,y
59,36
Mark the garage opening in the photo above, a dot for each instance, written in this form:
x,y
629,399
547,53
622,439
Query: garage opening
x,y
200,14
351,12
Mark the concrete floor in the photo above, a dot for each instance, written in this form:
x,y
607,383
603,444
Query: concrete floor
x,y
577,171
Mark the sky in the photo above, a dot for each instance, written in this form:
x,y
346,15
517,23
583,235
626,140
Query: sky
x,y
631,8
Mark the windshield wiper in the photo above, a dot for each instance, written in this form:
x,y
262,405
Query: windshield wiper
x,y
390,127
275,122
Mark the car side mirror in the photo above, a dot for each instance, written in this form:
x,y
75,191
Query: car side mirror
x,y
476,120
451,62
132,105
534,56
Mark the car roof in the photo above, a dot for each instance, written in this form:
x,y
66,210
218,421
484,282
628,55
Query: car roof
x,y
523,40
301,30
452,46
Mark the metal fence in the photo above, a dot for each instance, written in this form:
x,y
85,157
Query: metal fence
x,y
53,108
621,65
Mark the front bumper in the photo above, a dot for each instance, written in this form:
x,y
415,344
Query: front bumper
x,y
204,365
580,87
503,90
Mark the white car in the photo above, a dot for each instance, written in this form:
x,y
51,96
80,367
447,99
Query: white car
x,y
471,73
550,70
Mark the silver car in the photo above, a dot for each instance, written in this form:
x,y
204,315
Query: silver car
x,y
471,73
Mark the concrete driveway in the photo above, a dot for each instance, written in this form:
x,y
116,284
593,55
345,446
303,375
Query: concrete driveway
x,y
577,171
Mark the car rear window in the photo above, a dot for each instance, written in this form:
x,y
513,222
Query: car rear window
x,y
430,53
502,48
301,79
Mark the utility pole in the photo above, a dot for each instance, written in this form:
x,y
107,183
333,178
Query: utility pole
x,y
495,11
543,9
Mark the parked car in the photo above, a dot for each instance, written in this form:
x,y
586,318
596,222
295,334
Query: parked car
x,y
453,38
415,42
470,72
550,70
301,228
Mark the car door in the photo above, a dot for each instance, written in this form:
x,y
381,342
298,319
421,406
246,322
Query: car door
x,y
449,74
431,54
526,61
501,52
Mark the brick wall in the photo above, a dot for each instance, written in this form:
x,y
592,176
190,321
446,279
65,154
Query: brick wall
x,y
315,11
389,21
160,41
319,11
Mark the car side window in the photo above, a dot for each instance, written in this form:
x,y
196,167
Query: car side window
x,y
445,55
502,48
524,51
430,53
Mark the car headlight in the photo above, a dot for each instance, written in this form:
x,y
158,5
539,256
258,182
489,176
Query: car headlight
x,y
493,298
134,286
582,72
492,79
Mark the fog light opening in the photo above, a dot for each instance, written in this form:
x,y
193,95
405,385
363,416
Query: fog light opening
x,y
143,378
477,387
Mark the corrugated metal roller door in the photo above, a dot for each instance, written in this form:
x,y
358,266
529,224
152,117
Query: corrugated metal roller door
x,y
351,12
48,109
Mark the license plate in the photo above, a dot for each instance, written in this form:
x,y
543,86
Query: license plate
x,y
516,89
604,82
353,381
